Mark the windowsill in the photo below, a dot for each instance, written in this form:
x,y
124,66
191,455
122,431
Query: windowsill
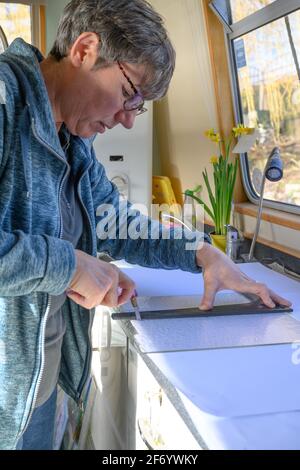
x,y
274,216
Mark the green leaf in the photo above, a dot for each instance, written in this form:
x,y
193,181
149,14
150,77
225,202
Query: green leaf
x,y
210,193
227,150
197,189
206,208
190,192
231,182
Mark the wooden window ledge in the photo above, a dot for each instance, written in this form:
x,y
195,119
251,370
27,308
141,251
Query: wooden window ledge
x,y
274,216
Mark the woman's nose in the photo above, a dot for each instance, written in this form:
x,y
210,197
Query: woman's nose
x,y
126,118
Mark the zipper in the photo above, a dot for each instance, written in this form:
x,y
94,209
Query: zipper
x,y
39,379
44,321
86,372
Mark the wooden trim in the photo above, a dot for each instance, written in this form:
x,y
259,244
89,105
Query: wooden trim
x,y
222,84
217,51
42,9
273,216
276,246
38,18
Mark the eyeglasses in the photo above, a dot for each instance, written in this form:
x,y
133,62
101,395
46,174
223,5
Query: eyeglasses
x,y
135,102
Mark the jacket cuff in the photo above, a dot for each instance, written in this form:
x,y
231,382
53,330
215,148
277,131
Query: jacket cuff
x,y
190,248
60,266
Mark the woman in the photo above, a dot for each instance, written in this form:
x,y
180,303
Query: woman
x,y
108,57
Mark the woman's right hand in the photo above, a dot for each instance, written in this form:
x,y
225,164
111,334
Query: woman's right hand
x,y
97,282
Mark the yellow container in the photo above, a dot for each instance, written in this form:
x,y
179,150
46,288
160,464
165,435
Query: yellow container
x,y
162,190
163,194
218,241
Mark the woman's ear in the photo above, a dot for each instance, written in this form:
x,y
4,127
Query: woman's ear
x,y
85,50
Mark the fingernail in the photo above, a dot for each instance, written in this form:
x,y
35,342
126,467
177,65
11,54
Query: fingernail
x,y
204,307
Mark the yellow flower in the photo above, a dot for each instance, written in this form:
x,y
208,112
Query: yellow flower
x,y
209,133
213,136
242,130
216,138
214,159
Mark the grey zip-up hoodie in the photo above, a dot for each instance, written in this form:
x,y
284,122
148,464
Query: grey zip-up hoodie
x,y
34,261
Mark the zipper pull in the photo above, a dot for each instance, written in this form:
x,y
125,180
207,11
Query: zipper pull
x,y
81,405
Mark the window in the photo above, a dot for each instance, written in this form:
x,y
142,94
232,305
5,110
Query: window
x,y
25,19
264,47
15,19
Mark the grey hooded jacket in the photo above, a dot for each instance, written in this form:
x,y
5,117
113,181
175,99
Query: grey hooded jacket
x,y
34,261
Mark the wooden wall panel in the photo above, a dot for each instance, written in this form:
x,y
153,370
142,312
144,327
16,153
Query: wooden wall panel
x,y
221,77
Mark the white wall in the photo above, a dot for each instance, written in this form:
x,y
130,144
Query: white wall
x,y
54,9
189,108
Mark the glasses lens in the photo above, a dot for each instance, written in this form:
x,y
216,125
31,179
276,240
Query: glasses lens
x,y
141,111
135,102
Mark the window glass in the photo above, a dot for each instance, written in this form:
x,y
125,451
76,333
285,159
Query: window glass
x,y
232,11
267,62
240,9
15,20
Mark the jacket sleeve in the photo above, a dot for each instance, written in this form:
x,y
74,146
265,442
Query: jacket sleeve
x,y
124,233
31,263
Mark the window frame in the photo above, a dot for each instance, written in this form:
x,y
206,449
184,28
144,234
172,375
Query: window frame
x,y
266,15
3,38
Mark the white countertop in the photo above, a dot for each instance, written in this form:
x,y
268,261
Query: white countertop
x,y
242,397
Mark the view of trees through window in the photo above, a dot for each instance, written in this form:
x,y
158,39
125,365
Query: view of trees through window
x,y
240,9
267,62
15,20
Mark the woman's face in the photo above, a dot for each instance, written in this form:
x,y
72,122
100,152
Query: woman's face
x,y
93,100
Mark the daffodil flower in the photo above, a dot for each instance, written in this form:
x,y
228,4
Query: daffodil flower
x,y
242,130
216,138
214,159
213,136
209,133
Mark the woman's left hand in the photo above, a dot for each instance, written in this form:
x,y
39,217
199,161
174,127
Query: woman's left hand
x,y
220,273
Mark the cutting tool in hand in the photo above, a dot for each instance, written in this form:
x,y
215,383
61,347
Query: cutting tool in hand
x,y
134,303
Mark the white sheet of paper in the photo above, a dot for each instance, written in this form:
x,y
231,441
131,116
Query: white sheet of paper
x,y
217,332
186,334
175,302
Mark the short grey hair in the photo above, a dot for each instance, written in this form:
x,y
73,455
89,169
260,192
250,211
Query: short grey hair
x,y
129,30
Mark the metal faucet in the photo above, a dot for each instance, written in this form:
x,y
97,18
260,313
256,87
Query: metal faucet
x,y
233,242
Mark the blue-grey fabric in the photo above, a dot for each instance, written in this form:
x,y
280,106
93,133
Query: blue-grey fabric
x,y
35,262
40,431
72,226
